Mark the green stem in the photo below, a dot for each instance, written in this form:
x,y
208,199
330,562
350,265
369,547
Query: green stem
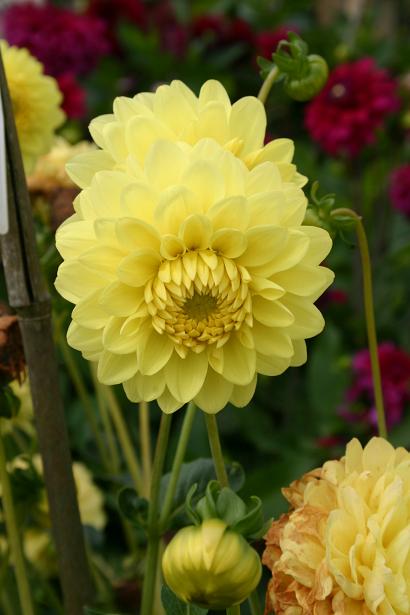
x,y
153,530
216,449
83,395
131,459
234,610
254,603
267,84
14,535
369,315
145,444
106,423
178,460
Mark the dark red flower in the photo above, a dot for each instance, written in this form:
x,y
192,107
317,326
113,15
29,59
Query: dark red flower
x,y
174,36
74,101
62,40
354,103
267,41
112,12
399,189
395,372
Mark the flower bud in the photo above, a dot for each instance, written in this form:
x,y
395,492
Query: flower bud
x,y
211,566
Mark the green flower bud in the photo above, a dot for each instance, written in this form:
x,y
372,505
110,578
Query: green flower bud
x,y
314,78
211,566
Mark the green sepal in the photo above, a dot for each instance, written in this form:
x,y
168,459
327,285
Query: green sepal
x,y
174,606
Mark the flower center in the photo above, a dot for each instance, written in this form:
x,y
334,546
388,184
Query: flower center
x,y
198,299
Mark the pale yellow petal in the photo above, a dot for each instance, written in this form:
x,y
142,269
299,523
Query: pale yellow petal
x,y
145,388
214,394
139,267
272,341
185,377
213,90
154,353
82,168
134,234
164,164
75,281
242,395
114,369
88,312
117,341
247,121
168,403
119,299
229,242
272,313
239,362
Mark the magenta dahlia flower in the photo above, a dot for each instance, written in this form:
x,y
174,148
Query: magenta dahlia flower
x,y
74,96
267,41
62,40
399,189
354,103
395,372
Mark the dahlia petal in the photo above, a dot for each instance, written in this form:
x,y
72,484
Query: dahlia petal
x,y
154,353
103,259
278,150
239,362
86,340
206,182
145,388
231,212
214,394
242,395
82,168
171,247
142,132
300,353
229,242
266,288
272,313
214,90
115,340
175,205
119,299
183,90
195,232
263,178
136,234
74,237
272,238
272,341
88,313
168,403
96,128
173,109
213,122
126,108
139,267
271,365
114,368
296,204
248,122
106,189
114,139
164,164
308,320
305,280
378,455
74,281
138,200
319,246
185,377
292,253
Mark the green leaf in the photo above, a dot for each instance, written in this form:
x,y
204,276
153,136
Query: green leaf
x,y
174,606
133,507
9,403
90,611
200,472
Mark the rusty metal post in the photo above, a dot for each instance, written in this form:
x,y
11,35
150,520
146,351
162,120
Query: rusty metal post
x,y
28,295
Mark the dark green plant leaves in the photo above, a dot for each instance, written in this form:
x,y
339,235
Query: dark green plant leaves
x,y
133,507
89,611
174,606
9,403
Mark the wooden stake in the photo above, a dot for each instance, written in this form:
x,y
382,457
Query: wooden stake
x,y
28,295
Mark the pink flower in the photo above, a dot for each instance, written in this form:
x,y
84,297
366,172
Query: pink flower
x,y
399,189
62,40
395,372
74,98
354,103
267,41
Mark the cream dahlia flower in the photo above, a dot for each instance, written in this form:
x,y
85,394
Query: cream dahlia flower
x,y
191,274
50,172
174,113
36,102
344,547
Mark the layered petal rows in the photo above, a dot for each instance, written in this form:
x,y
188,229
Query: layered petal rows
x,y
190,272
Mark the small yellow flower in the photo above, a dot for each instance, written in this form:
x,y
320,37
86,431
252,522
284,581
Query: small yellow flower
x,y
36,102
211,566
176,114
50,172
344,548
191,274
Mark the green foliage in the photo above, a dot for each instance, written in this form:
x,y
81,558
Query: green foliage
x,y
174,606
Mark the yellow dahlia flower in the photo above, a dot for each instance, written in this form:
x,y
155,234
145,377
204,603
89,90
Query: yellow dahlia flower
x,y
36,102
211,566
50,172
174,113
344,547
191,274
